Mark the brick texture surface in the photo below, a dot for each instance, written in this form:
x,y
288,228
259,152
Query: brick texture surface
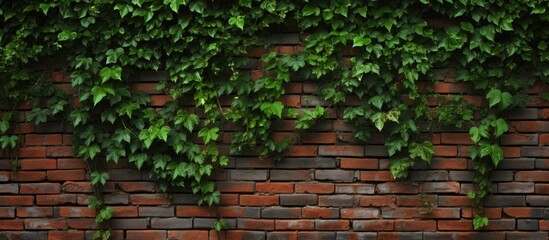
x,y
328,186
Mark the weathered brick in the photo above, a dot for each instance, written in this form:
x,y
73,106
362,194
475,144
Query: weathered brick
x,y
517,163
9,188
280,212
149,199
300,224
373,225
66,175
56,199
301,151
440,187
171,223
531,126
298,199
38,164
455,225
40,188
129,223
359,213
11,224
501,176
433,175
336,200
376,176
341,151
320,212
449,163
282,236
248,175
132,187
237,211
356,235
519,139
74,211
7,212
501,224
37,223
245,235
195,211
290,175
516,187
355,188
255,224
527,235
62,235
415,200
332,225
504,201
394,187
28,176
537,201
235,186
314,187
335,175
316,235
453,201
156,211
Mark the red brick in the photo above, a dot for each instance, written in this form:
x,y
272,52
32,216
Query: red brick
x,y
301,151
493,213
132,187
541,189
32,152
146,234
531,126
255,200
314,187
453,201
243,235
456,138
26,212
40,188
440,187
159,100
71,163
125,211
274,187
7,212
16,200
38,164
300,224
74,211
415,225
28,176
294,87
523,212
544,139
149,199
535,176
11,224
376,176
256,224
66,175
63,235
228,199
376,201
56,199
195,211
319,138
445,151
188,235
544,225
43,139
455,225
359,163
282,235
291,100
396,187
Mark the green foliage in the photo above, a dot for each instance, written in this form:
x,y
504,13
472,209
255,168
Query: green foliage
x,y
500,49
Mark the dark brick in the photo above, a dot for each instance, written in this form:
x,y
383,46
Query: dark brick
x,y
435,175
502,176
117,198
207,223
527,235
130,223
24,235
290,175
335,175
462,176
527,224
248,175
535,151
280,212
298,199
156,211
336,200
519,139
171,223
356,235
283,38
517,163
316,235
537,201
523,114
244,235
281,235
9,188
297,163
375,151
400,235
505,201
516,187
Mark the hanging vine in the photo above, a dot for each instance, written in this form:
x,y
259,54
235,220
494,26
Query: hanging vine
x,y
499,48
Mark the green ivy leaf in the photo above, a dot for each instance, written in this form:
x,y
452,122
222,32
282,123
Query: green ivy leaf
x,y
237,21
379,120
500,127
99,177
359,41
377,101
423,150
272,109
496,154
494,97
208,134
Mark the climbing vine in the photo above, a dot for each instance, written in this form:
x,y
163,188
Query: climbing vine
x,y
378,52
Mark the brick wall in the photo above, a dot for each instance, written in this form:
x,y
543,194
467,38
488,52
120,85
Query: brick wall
x,y
329,186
